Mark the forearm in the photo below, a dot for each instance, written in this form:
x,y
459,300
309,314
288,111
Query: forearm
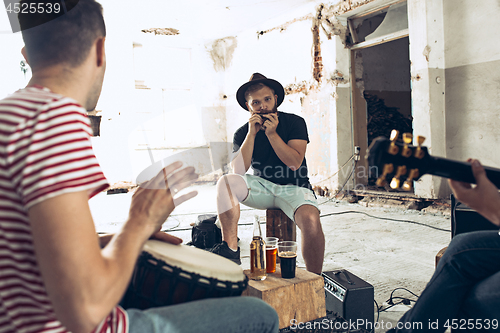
x,y
289,156
90,291
119,258
83,281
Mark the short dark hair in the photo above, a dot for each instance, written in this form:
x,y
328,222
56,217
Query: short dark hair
x,y
255,87
65,39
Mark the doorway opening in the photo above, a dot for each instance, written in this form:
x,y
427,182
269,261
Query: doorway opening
x,y
381,91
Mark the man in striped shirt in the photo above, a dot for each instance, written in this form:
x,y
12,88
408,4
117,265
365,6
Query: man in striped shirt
x,y
54,275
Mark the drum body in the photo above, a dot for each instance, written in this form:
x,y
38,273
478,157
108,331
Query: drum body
x,y
167,274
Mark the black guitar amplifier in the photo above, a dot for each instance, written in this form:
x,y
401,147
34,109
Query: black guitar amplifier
x,y
465,219
350,297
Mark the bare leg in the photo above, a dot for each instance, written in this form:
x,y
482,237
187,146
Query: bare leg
x,y
231,189
313,239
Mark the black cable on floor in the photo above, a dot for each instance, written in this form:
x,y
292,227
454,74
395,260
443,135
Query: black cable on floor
x,y
390,301
338,191
390,306
202,213
339,213
184,229
385,218
320,181
392,293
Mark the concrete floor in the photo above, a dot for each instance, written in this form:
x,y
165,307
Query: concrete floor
x,y
385,253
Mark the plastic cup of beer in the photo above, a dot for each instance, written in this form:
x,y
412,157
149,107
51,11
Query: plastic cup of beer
x,y
287,252
271,252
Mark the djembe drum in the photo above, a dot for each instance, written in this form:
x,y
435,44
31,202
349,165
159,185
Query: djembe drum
x,y
167,274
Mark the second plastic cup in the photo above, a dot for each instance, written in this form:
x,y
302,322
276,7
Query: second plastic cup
x,y
271,252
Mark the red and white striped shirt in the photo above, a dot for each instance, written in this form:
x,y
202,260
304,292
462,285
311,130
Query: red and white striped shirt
x,y
45,151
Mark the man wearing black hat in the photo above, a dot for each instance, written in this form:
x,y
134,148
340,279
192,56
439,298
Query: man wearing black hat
x,y
274,144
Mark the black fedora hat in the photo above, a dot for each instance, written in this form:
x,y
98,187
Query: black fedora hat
x,y
259,78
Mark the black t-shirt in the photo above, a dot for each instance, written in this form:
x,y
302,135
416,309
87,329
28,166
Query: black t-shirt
x,y
265,162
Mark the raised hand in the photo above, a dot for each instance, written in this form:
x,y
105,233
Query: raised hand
x,y
155,200
483,198
255,123
270,122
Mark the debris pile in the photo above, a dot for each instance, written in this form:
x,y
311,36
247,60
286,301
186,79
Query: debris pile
x,y
383,119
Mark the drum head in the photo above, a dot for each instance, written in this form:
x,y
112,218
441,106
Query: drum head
x,y
194,260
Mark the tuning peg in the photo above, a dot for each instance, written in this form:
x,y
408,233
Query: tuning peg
x,y
388,168
396,181
393,149
407,139
408,184
419,152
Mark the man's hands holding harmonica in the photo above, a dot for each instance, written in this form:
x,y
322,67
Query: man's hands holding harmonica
x,y
263,121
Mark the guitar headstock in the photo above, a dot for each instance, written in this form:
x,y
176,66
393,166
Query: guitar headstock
x,y
399,163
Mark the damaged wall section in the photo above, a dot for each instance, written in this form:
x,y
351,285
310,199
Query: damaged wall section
x,y
344,6
221,51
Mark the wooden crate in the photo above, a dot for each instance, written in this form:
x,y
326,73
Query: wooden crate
x,y
301,298
278,224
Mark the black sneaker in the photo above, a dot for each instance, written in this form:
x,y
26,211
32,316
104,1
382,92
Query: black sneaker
x,y
223,250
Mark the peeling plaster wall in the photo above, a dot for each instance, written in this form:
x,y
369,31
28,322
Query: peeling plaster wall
x,y
194,104
425,24
221,51
472,80
204,97
344,6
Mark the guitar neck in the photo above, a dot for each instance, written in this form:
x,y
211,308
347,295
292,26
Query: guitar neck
x,y
460,171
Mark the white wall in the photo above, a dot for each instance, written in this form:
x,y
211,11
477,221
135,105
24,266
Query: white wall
x,y
191,101
472,80
11,77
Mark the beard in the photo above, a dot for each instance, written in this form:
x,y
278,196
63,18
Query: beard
x,y
274,110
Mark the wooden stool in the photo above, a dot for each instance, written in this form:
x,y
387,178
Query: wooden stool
x,y
279,225
440,254
301,298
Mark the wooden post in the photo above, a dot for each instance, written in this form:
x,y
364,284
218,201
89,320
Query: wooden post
x,y
279,225
440,254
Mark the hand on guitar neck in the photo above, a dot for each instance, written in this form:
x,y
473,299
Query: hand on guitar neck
x,y
483,198
401,163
